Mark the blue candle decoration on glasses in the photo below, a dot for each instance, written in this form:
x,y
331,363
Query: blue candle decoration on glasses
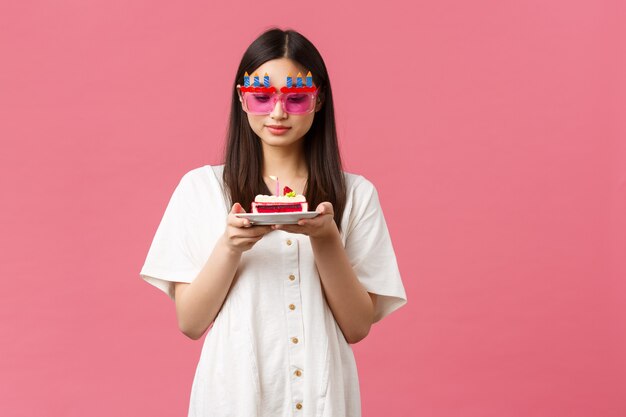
x,y
309,80
289,81
256,80
266,80
299,80
246,80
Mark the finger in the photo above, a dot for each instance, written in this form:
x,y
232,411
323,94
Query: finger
x,y
252,232
260,230
291,228
237,221
312,222
237,208
325,208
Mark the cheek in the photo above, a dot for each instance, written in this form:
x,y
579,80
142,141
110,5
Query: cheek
x,y
256,122
305,122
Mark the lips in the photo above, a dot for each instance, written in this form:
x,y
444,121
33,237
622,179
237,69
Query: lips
x,y
277,130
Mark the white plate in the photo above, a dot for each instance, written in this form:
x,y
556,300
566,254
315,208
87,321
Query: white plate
x,y
277,218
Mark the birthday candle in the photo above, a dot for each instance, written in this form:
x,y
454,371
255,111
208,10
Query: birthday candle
x,y
246,80
289,81
299,80
277,187
266,80
309,80
256,80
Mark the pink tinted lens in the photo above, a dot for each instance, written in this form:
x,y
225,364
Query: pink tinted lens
x,y
298,103
260,102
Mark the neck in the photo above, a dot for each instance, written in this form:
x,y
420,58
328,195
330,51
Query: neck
x,y
286,163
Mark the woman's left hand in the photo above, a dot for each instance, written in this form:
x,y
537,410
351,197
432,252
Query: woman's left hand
x,y
321,226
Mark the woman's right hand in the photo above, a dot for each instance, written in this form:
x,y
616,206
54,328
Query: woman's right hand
x,y
240,235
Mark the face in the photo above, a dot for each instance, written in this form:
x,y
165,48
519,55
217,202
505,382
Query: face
x,y
297,124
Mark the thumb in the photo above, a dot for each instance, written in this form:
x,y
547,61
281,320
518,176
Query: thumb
x,y
322,208
237,208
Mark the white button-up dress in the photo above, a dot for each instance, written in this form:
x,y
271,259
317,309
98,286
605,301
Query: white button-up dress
x,y
275,349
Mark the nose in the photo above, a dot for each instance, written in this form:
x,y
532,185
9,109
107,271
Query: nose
x,y
278,112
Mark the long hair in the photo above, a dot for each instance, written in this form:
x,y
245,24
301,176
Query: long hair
x,y
243,157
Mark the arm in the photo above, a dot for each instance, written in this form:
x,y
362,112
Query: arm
x,y
352,306
199,302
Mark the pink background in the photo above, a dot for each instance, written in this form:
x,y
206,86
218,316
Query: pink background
x,y
493,130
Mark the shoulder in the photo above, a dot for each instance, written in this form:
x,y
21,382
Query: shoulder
x,y
201,186
201,173
203,177
361,197
358,186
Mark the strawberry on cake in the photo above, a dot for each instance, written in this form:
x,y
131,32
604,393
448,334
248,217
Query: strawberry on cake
x,y
289,202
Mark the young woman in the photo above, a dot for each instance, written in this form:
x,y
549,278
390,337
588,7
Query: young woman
x,y
283,302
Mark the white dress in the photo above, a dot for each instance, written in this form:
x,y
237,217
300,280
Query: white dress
x,y
275,349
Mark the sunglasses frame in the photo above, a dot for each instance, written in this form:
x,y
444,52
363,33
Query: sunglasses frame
x,y
275,97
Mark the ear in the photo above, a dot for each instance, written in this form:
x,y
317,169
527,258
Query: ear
x,y
318,104
239,92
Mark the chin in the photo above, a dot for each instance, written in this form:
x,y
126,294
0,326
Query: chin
x,y
277,141
285,140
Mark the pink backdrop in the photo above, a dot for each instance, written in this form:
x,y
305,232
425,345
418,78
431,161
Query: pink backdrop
x,y
493,130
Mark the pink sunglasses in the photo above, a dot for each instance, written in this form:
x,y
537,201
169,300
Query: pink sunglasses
x,y
263,102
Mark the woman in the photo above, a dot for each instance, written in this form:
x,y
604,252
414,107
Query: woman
x,y
284,301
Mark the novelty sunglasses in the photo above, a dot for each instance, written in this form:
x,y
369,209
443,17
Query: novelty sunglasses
x,y
263,102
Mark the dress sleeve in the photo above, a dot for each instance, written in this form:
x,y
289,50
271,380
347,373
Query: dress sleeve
x,y
171,256
369,248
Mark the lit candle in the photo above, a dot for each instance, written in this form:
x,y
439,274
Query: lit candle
x,y
256,80
289,81
309,80
277,186
246,80
266,80
299,80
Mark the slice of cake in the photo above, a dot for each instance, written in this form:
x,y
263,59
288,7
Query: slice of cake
x,y
289,202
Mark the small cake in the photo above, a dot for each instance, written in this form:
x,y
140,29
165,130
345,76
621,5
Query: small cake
x,y
289,202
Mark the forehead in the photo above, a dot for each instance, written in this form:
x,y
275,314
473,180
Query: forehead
x,y
279,69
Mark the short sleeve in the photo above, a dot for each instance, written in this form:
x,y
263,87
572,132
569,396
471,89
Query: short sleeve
x,y
369,248
171,256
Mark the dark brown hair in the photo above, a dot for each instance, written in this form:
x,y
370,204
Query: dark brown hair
x,y
243,157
